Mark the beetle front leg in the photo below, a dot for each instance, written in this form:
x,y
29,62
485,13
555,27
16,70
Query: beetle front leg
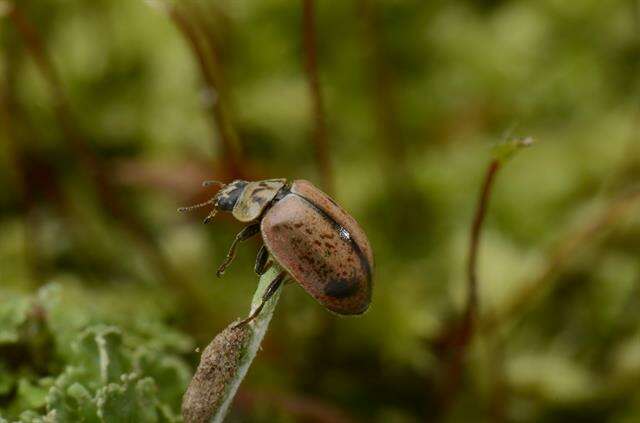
x,y
262,261
268,293
244,235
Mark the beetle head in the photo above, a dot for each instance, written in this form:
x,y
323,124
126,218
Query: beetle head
x,y
228,195
224,200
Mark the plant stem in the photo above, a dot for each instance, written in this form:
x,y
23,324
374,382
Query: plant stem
x,y
257,329
97,171
382,83
310,51
560,256
226,360
459,338
463,337
210,71
474,246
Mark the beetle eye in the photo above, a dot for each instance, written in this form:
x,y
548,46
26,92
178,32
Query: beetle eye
x,y
344,234
228,196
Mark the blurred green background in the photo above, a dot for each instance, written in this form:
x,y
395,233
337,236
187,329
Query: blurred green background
x,y
114,111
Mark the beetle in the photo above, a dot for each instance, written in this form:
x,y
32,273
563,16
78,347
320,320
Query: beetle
x,y
315,242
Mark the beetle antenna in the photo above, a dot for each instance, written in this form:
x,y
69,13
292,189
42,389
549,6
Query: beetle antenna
x,y
209,183
195,206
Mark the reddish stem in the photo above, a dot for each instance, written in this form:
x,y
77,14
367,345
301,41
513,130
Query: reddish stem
x,y
559,257
474,245
209,70
95,168
319,137
382,84
464,334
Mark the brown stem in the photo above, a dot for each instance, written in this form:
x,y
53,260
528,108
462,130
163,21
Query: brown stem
x,y
381,80
476,228
211,77
89,161
95,169
35,46
319,138
198,16
17,162
462,339
560,256
557,259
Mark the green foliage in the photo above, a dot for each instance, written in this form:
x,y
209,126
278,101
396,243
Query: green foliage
x,y
109,373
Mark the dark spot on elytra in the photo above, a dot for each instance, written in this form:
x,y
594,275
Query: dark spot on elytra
x,y
326,236
341,288
298,225
318,243
329,245
308,231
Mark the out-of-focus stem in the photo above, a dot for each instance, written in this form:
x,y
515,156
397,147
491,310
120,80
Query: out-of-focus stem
x,y
474,244
560,256
214,99
464,334
381,81
461,336
35,46
94,168
319,137
17,163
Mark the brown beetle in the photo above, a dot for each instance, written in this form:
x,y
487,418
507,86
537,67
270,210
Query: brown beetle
x,y
316,242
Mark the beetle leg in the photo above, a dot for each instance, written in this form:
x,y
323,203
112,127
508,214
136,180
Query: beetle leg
x,y
268,293
243,235
261,260
210,216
